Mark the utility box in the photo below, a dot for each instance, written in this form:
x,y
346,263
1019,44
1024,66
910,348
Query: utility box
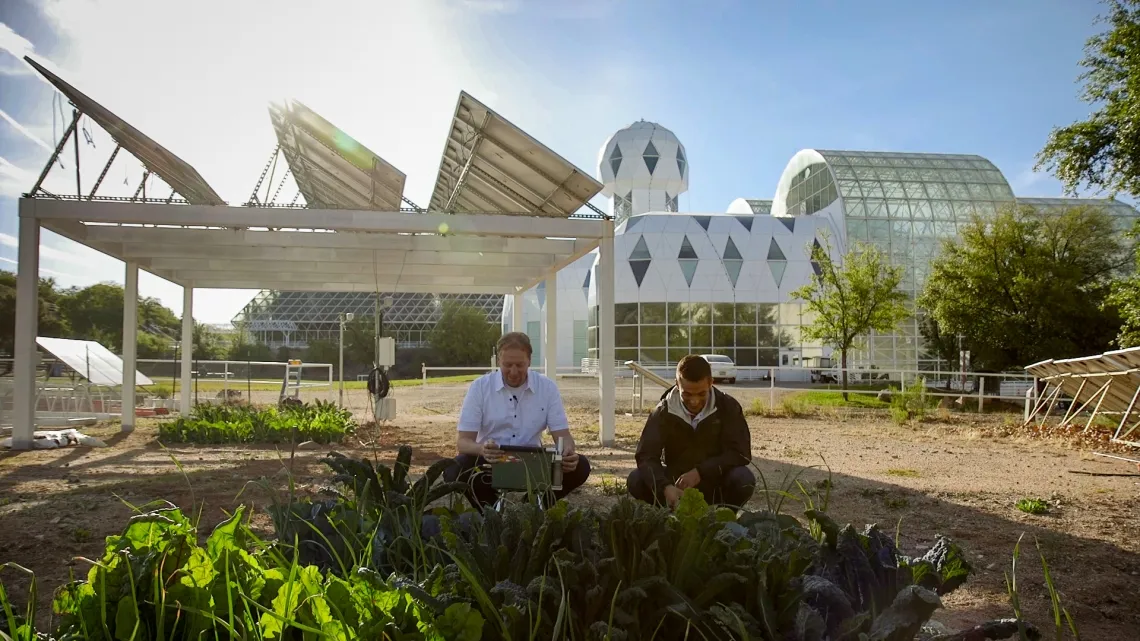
x,y
384,409
386,352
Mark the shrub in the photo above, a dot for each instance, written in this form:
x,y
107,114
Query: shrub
x,y
909,403
322,422
1032,506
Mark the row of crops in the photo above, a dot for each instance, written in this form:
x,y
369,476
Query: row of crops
x,y
388,557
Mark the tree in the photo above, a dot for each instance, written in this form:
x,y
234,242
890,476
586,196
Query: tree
x,y
1103,152
209,345
463,337
1125,297
1025,285
51,323
850,300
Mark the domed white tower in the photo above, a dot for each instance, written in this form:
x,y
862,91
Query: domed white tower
x,y
643,168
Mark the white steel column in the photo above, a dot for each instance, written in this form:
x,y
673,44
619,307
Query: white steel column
x,y
186,385
517,313
550,349
130,343
27,325
604,277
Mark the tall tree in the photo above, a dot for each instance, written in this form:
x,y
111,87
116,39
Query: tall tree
x,y
51,323
849,300
1026,285
1103,152
463,337
1125,297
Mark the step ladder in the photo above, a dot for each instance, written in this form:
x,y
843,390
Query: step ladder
x,y
291,384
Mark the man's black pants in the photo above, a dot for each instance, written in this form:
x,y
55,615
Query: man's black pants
x,y
480,492
733,488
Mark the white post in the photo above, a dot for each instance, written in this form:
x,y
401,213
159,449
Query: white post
x,y
981,392
186,384
771,388
226,382
550,350
130,343
517,313
27,325
604,276
340,356
331,385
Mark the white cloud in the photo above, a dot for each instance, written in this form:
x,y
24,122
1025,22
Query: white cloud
x,y
14,180
28,133
14,43
47,252
387,73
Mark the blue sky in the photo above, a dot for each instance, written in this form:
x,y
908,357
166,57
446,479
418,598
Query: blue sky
x,y
744,85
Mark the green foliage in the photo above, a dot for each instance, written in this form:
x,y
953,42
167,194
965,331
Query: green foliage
x,y
1103,152
911,402
1032,506
209,345
463,337
1125,298
243,351
154,581
1025,285
851,299
321,421
51,322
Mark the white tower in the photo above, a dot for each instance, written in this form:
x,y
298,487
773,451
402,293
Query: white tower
x,y
643,168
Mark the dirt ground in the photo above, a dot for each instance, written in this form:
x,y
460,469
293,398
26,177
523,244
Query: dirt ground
x,y
960,475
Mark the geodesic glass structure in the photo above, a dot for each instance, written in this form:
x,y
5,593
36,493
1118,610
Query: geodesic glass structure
x,y
283,318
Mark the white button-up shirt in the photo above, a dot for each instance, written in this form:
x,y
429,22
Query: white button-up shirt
x,y
515,416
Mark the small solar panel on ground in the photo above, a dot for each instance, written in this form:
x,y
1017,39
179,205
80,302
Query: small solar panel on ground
x,y
90,360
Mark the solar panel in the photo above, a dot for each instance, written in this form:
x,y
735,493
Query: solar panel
x,y
489,165
90,360
176,172
1107,384
333,170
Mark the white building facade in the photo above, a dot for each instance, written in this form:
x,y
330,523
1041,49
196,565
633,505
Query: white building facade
x,y
721,282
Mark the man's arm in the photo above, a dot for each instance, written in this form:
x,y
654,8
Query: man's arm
x,y
737,446
648,456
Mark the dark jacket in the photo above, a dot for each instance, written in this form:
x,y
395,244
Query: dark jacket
x,y
720,441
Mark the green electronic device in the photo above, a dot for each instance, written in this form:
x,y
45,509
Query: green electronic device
x,y
526,469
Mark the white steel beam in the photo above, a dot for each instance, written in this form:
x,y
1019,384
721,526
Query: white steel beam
x,y
130,343
187,392
217,282
370,241
383,283
506,225
344,256
335,270
27,322
550,327
604,277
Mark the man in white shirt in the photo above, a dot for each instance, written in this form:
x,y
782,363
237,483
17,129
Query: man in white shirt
x,y
512,406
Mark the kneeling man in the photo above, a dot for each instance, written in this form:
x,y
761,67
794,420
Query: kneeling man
x,y
512,406
705,440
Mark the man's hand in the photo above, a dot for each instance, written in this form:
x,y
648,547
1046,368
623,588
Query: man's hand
x,y
569,458
692,478
491,452
673,495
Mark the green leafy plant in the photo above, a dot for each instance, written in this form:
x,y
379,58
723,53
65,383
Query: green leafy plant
x,y
912,402
1032,506
322,422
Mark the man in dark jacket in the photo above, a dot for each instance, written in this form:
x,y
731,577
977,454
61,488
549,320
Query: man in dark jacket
x,y
705,439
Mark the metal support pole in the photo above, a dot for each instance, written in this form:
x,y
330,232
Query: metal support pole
x,y
981,392
604,277
1073,405
103,174
55,154
550,349
340,365
1127,413
142,187
78,185
130,343
1104,393
27,320
771,388
187,347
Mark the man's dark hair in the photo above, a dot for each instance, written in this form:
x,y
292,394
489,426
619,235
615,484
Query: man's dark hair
x,y
514,340
694,369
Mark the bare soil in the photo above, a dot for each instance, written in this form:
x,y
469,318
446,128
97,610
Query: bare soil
x,y
960,475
